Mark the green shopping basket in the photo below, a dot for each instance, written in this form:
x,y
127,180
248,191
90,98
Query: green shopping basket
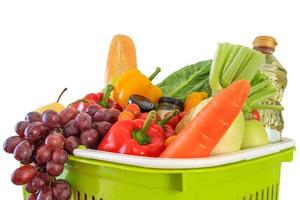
x,y
252,174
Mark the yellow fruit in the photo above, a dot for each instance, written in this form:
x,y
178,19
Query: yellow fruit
x,y
56,106
121,57
52,106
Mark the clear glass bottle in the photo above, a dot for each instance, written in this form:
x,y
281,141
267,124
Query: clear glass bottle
x,y
272,119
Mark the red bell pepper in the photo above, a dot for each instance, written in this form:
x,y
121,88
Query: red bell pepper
x,y
101,98
135,137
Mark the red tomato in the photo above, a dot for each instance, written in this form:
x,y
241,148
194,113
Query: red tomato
x,y
134,109
126,115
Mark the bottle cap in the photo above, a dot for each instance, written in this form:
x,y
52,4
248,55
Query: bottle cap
x,y
265,41
179,103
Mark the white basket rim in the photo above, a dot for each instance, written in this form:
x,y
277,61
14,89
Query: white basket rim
x,y
187,163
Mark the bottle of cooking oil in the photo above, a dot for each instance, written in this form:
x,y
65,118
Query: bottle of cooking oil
x,y
272,119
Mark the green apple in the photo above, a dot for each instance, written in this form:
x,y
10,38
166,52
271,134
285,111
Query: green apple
x,y
255,134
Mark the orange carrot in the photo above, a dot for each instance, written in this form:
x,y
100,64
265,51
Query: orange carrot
x,y
201,135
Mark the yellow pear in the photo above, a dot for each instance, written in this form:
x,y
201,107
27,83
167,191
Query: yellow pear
x,y
56,106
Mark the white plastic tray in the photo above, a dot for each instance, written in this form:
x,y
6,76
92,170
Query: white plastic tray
x,y
189,163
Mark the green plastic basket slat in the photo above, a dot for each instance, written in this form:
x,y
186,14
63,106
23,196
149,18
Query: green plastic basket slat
x,y
256,179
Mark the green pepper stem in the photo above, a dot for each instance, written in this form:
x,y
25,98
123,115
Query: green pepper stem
x,y
104,100
154,74
61,94
166,119
141,135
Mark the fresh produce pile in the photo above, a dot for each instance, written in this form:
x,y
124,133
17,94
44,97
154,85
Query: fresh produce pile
x,y
206,108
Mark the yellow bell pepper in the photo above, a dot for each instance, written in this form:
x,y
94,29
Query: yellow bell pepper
x,y
194,99
134,82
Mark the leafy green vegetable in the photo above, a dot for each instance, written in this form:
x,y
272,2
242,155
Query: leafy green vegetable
x,y
187,80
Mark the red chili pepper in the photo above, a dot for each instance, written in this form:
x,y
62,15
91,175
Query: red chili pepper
x,y
135,137
169,130
255,115
175,120
101,98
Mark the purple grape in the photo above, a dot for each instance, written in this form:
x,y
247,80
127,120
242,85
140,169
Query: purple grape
x,y
108,115
59,156
67,115
71,129
54,169
83,121
51,119
33,117
32,196
30,188
39,165
46,177
92,109
27,161
23,175
71,143
34,131
61,190
43,154
115,115
23,151
45,194
38,182
89,138
102,115
20,128
10,143
102,128
55,140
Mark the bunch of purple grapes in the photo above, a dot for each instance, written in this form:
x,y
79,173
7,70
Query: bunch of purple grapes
x,y
43,142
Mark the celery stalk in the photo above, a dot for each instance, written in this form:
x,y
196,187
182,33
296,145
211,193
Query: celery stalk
x,y
249,54
259,106
234,67
216,69
260,86
235,62
260,96
252,67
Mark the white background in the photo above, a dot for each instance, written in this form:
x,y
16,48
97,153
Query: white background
x,y
48,45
